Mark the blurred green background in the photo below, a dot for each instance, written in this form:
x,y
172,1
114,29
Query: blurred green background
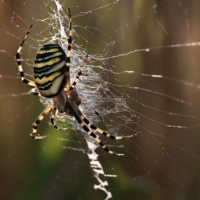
x,y
162,162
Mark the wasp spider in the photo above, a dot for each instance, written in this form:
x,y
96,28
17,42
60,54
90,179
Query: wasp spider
x,y
52,80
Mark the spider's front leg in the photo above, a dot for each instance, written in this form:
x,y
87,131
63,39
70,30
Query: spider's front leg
x,y
38,120
78,76
69,52
24,80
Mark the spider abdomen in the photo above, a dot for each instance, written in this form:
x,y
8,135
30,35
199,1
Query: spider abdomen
x,y
49,70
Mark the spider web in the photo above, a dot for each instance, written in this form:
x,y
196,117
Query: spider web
x,y
142,74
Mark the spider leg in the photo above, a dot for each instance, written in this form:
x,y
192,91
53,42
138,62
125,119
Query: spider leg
x,y
59,117
38,120
81,115
78,75
70,106
24,80
52,121
68,52
34,92
103,132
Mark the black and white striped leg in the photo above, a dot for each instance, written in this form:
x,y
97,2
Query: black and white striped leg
x,y
34,92
37,121
86,121
85,128
103,132
68,52
52,121
24,80
78,75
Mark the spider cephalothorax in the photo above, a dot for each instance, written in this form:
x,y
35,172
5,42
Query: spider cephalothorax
x,y
52,80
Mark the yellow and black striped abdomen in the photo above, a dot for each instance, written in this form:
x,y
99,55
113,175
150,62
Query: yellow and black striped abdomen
x,y
49,70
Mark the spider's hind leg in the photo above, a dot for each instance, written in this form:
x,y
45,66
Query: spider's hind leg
x,y
86,121
52,121
73,109
105,133
38,120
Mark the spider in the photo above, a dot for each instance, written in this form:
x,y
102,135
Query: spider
x,y
52,80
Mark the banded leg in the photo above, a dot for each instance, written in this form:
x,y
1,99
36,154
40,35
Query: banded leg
x,y
34,92
81,115
68,52
52,121
104,133
24,80
78,75
85,128
38,120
